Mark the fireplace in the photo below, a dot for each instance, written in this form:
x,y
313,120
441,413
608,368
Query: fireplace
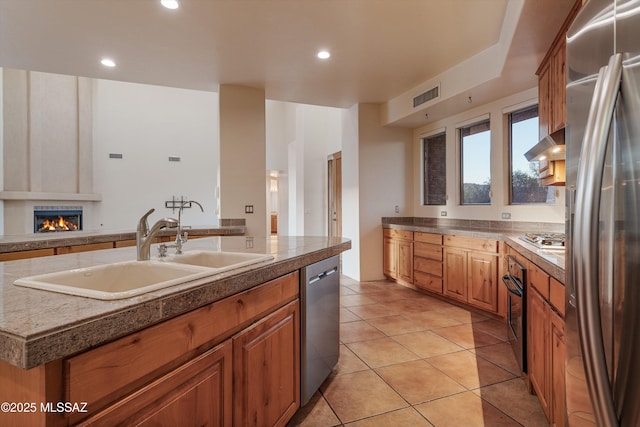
x,y
51,219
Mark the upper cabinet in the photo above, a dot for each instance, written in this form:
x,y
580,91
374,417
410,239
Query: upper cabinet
x,y
552,99
552,80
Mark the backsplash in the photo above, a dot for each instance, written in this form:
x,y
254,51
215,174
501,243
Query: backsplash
x,y
477,224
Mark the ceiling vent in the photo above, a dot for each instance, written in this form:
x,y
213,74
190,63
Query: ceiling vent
x,y
430,95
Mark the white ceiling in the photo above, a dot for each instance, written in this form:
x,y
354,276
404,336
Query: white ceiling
x,y
380,48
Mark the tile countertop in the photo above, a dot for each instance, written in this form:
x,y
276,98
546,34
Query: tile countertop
x,y
551,261
37,326
71,238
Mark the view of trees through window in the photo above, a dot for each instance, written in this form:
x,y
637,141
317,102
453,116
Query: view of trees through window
x,y
523,134
475,148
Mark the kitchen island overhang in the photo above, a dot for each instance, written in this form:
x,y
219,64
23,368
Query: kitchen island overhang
x,y
38,327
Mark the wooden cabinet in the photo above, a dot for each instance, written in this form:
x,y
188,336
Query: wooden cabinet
x,y
427,261
538,346
546,342
267,370
558,353
471,276
238,357
482,281
558,89
552,99
196,393
397,255
455,273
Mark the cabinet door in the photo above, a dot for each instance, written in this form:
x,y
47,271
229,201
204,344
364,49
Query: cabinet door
x,y
266,362
544,102
483,281
197,393
557,370
538,346
558,89
389,257
455,273
405,261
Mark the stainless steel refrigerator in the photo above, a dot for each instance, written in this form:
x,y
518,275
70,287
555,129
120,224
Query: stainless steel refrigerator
x,y
602,370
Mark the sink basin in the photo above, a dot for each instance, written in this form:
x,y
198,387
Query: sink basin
x,y
223,261
118,280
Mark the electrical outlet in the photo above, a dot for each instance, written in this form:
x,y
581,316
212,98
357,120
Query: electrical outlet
x,y
443,213
397,209
248,209
506,215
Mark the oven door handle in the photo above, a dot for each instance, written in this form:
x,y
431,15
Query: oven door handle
x,y
512,285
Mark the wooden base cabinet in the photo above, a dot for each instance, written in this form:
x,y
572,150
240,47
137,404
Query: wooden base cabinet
x,y
195,394
427,261
546,346
397,255
471,276
267,370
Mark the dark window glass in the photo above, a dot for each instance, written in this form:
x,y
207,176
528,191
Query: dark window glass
x,y
434,170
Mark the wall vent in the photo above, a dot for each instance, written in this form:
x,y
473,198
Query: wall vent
x,y
430,95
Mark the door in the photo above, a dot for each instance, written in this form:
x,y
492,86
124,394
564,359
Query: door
x,y
334,173
455,273
266,388
483,281
196,393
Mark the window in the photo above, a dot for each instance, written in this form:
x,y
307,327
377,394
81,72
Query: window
x,y
475,164
523,134
434,151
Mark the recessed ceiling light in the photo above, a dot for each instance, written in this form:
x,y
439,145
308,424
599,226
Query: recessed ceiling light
x,y
324,54
108,62
170,4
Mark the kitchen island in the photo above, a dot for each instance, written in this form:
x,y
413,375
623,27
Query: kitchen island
x,y
116,355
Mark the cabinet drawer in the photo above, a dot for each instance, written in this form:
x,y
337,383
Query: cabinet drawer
x,y
539,280
426,250
435,239
472,243
556,295
428,282
425,265
397,234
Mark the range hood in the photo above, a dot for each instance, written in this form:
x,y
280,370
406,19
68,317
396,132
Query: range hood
x,y
551,147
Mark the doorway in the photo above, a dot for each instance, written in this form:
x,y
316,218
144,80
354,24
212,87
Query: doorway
x,y
334,174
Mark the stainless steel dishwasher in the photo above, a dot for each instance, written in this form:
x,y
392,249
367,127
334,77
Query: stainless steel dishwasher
x,y
320,324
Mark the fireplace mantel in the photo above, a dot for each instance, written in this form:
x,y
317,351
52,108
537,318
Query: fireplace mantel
x,y
32,195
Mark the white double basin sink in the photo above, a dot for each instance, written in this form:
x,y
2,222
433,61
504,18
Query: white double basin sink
x,y
130,278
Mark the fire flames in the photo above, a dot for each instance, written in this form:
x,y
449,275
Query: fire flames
x,y
60,224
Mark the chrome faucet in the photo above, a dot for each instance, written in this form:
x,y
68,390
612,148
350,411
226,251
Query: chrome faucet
x,y
144,236
179,239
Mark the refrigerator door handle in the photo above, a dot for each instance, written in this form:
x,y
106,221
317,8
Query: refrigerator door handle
x,y
585,249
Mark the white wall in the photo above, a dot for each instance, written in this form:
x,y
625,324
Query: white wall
x,y
385,182
299,139
499,168
147,124
243,177
351,193
1,151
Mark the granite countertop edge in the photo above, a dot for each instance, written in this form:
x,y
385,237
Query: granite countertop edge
x,y
28,351
73,238
553,262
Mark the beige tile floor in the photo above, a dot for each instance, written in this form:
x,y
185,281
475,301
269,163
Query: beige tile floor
x,y
408,359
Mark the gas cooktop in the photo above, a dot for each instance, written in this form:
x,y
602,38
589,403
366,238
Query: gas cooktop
x,y
553,241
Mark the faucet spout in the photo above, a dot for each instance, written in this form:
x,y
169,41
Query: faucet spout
x,y
144,235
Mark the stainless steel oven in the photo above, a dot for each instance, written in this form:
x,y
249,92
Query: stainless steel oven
x,y
515,280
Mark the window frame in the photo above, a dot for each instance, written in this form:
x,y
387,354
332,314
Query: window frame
x,y
479,123
525,111
424,142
